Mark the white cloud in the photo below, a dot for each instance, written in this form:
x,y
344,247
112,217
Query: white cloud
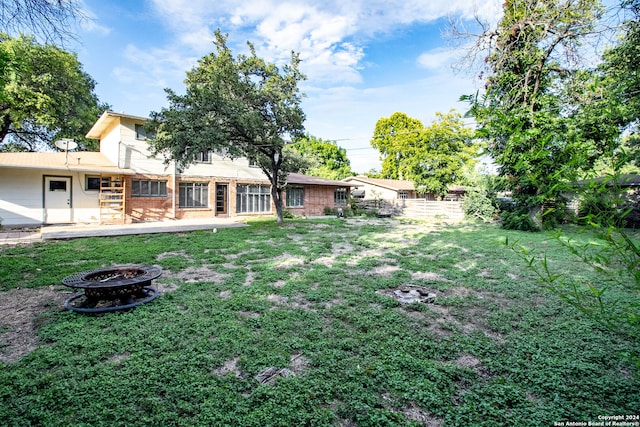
x,y
435,58
89,21
329,35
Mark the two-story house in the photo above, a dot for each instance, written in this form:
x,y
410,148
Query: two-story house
x,y
124,182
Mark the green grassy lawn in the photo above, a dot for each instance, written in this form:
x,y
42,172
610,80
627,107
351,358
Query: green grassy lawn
x,y
495,348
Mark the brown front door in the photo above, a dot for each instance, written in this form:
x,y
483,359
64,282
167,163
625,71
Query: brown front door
x,y
221,199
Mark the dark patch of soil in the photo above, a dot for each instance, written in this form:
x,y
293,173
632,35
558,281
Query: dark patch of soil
x,y
21,312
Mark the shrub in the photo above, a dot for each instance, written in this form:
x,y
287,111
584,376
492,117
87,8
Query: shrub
x,y
518,221
478,204
329,211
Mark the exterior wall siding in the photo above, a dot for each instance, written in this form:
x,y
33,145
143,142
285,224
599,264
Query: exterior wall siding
x,y
139,209
316,199
22,201
110,144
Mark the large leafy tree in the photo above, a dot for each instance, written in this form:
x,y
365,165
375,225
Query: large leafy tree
x,y
433,157
324,159
531,109
44,95
242,106
442,154
391,137
620,75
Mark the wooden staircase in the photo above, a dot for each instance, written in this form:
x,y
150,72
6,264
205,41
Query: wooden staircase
x,y
112,197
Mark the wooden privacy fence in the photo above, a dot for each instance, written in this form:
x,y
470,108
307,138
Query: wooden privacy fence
x,y
417,208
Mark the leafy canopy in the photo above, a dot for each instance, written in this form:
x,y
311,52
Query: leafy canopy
x,y
44,95
241,106
539,111
433,157
324,159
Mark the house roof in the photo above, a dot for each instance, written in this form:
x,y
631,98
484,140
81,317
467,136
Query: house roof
x,y
106,120
296,178
396,184
625,180
74,161
391,184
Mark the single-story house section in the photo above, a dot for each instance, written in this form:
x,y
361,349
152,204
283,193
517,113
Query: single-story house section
x,y
394,189
381,189
52,188
124,182
308,195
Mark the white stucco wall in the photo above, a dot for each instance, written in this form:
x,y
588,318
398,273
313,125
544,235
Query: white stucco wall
x,y
110,143
21,197
225,168
372,192
86,208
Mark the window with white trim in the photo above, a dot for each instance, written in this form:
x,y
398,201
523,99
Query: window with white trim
x,y
340,197
253,198
203,157
193,195
92,182
141,132
295,197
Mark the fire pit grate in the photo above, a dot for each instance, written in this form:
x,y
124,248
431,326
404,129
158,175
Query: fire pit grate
x,y
111,289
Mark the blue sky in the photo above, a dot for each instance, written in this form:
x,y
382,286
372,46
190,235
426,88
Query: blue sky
x,y
364,59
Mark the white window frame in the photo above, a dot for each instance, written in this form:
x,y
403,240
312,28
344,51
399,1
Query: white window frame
x,y
340,197
253,198
295,196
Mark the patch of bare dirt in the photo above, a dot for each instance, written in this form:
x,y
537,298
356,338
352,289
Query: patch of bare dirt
x,y
287,260
407,294
117,358
415,413
473,321
164,288
248,281
240,254
20,311
279,284
230,366
384,270
299,363
327,261
429,276
174,254
196,274
469,361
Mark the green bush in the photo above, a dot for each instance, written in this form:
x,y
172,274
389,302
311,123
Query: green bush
x,y
287,214
518,221
478,204
598,208
329,211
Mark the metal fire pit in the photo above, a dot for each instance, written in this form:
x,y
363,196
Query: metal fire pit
x,y
111,289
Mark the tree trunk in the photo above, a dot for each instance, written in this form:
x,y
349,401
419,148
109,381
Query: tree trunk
x,y
276,193
5,126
